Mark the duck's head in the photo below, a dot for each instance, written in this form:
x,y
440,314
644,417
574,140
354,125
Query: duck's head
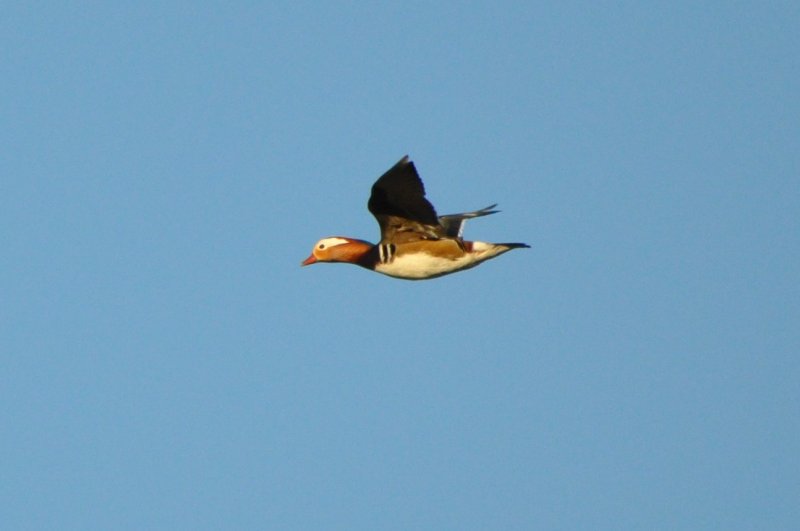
x,y
337,249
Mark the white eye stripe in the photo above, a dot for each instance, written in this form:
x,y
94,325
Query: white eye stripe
x,y
330,242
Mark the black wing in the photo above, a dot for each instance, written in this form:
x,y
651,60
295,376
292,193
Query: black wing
x,y
398,203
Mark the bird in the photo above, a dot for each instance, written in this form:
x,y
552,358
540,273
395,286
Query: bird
x,y
416,243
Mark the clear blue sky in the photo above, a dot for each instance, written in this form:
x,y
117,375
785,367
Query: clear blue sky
x,y
166,363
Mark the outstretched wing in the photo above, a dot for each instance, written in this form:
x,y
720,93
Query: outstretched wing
x,y
453,224
398,203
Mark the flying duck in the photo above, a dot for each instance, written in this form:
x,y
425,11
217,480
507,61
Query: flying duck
x,y
415,243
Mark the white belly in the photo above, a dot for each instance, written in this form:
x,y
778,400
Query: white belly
x,y
418,266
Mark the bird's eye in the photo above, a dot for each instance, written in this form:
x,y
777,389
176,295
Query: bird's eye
x,y
321,246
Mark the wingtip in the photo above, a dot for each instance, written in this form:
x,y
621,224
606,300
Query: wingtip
x,y
405,161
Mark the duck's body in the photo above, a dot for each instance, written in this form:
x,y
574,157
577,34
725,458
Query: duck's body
x,y
415,243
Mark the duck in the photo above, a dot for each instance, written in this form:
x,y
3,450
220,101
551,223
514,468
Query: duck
x,y
415,243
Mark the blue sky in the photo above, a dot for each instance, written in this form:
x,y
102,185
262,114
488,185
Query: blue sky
x,y
168,365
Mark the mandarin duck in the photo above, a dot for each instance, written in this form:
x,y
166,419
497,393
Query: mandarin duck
x,y
415,242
